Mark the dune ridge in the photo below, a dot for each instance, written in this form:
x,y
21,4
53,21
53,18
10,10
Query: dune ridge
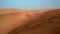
x,y
12,21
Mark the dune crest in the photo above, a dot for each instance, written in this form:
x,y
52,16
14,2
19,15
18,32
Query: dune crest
x,y
11,22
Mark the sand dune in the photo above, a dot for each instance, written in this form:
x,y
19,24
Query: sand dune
x,y
30,22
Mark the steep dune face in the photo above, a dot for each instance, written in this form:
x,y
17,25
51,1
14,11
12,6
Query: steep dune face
x,y
30,22
46,23
9,21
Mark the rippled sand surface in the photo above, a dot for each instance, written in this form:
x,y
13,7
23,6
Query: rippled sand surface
x,y
14,21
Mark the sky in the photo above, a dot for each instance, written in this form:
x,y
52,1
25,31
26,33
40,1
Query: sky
x,y
29,4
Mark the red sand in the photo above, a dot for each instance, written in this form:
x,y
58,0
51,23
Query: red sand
x,y
17,18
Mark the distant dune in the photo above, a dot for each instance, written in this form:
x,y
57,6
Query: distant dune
x,y
40,21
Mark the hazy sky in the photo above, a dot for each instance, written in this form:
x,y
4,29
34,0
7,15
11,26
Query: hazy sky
x,y
31,4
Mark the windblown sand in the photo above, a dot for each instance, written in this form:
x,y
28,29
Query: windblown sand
x,y
28,22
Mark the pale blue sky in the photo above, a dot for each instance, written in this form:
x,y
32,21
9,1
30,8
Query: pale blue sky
x,y
29,4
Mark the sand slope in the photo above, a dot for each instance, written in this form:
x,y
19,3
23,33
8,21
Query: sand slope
x,y
28,22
